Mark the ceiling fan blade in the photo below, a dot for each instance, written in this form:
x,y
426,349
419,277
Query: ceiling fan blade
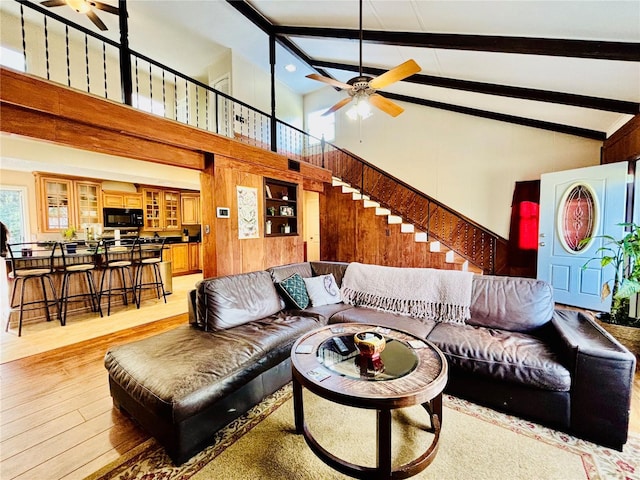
x,y
53,3
396,74
94,18
338,106
330,81
104,7
386,105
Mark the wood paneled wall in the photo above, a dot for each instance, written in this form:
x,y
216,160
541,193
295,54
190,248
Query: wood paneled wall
x,y
234,255
349,232
624,144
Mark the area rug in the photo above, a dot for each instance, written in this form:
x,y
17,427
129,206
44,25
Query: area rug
x,y
476,443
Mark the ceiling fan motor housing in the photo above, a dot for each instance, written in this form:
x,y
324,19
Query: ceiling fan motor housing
x,y
361,86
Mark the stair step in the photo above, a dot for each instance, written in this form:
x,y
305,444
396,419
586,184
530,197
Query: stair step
x,y
348,189
407,228
421,237
382,211
360,196
336,182
434,246
394,220
371,204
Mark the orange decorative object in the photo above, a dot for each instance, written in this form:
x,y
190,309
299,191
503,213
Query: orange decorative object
x,y
369,343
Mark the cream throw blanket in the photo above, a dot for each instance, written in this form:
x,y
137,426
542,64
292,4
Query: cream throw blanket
x,y
440,295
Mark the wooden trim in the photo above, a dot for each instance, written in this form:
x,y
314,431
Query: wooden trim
x,y
624,144
34,124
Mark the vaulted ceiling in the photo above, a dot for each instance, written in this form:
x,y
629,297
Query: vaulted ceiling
x,y
567,66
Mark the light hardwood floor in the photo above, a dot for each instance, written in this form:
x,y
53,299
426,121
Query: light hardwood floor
x,y
56,415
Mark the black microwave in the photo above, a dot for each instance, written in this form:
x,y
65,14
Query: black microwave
x,y
123,217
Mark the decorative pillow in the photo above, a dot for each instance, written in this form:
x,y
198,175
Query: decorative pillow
x,y
323,290
294,291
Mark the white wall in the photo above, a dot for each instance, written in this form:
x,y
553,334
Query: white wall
x,y
469,163
252,85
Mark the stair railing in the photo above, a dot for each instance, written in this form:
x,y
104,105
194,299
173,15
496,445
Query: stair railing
x,y
163,91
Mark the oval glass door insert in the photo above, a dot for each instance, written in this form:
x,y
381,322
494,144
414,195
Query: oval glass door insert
x,y
578,215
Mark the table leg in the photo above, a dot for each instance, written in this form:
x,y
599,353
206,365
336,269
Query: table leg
x,y
436,407
298,409
384,443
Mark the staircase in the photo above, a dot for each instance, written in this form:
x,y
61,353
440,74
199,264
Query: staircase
x,y
384,238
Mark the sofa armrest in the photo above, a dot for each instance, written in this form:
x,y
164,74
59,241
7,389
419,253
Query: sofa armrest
x,y
602,378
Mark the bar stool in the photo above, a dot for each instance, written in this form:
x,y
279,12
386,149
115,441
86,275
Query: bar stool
x,y
149,255
78,258
118,257
32,261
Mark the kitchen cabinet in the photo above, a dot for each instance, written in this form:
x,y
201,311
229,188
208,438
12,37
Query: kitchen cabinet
x,y
88,202
184,257
65,202
190,203
180,258
112,199
281,209
194,257
161,210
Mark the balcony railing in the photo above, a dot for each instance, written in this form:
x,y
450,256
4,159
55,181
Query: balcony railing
x,y
64,52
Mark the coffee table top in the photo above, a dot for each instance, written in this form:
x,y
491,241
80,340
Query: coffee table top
x,y
411,370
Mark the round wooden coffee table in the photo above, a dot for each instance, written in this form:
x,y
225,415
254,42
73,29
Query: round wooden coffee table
x,y
409,371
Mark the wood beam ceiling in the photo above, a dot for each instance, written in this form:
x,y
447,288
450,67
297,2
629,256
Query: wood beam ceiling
x,y
622,51
594,49
597,103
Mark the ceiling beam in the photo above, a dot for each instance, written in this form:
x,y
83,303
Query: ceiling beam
x,y
267,27
556,47
596,103
527,122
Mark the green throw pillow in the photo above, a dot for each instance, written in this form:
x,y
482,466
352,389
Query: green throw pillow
x,y
295,291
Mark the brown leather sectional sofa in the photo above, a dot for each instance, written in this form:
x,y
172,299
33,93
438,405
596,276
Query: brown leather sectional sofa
x,y
516,354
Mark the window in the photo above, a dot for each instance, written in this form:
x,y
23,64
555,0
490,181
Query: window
x,y
12,59
147,105
319,125
13,213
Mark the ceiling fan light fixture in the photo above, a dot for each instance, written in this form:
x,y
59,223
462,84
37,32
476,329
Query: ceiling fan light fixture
x,y
361,109
79,6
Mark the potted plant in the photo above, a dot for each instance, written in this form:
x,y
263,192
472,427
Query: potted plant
x,y
624,256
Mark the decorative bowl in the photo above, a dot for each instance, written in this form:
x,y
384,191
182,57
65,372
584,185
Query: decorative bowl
x,y
369,344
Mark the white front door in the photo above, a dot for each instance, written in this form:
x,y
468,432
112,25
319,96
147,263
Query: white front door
x,y
575,204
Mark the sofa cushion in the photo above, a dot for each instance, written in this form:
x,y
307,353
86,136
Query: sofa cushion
x,y
502,355
179,373
281,272
324,268
323,290
371,316
226,302
323,313
294,291
510,303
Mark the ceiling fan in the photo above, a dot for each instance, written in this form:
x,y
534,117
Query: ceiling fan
x,y
363,88
85,6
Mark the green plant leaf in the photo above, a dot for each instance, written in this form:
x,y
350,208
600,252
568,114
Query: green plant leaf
x,y
627,288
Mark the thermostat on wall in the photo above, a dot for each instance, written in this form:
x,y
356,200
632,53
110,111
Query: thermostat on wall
x,y
223,212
